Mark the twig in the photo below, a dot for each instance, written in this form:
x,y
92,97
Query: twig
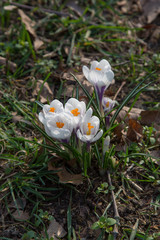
x,y
138,188
116,214
120,88
41,9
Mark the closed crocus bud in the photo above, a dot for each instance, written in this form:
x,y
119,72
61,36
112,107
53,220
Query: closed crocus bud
x,y
100,75
106,145
76,109
89,128
59,126
49,110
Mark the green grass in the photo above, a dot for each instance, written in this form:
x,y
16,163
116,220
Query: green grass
x,y
25,147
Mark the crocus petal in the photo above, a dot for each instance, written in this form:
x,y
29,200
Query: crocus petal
x,y
57,104
104,65
94,64
60,134
84,138
85,71
87,115
41,117
99,135
110,75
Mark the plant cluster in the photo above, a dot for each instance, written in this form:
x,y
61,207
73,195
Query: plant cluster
x,y
73,123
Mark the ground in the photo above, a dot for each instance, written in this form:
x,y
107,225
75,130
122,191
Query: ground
x,y
42,48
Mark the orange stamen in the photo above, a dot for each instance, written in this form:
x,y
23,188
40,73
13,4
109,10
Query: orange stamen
x,y
99,69
75,112
60,124
107,104
52,109
89,128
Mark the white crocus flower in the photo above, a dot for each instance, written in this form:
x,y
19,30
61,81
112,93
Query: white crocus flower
x,y
89,127
108,104
76,109
49,110
100,75
59,126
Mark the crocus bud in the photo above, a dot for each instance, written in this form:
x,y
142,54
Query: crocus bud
x,y
106,144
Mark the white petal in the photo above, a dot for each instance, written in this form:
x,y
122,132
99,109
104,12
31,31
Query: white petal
x,y
46,108
110,75
41,117
73,101
99,135
85,70
95,122
79,135
87,115
104,65
60,134
94,64
57,105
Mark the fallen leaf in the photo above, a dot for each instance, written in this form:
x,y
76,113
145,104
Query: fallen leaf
x,y
151,9
150,118
21,203
75,7
125,115
20,215
29,24
38,43
9,7
135,131
156,156
55,230
11,65
65,176
70,89
46,93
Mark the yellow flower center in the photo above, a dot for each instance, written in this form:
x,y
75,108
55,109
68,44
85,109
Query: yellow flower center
x,y
99,69
60,124
89,128
75,112
107,104
52,109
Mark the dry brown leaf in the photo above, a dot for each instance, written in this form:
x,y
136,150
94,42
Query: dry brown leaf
x,y
9,7
38,43
156,156
55,230
20,215
30,24
150,118
135,131
65,176
73,5
151,9
125,116
70,89
12,66
46,93
21,203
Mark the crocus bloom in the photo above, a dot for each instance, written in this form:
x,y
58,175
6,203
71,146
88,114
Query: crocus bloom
x,y
89,127
100,75
59,126
76,109
108,104
49,110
